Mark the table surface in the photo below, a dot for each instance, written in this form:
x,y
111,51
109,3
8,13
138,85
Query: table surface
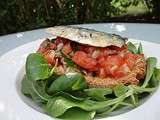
x,y
144,32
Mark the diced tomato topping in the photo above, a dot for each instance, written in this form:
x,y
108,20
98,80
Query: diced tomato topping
x,y
114,60
101,61
42,49
118,74
110,64
50,59
58,40
121,71
67,48
84,60
87,49
91,49
53,46
111,61
111,69
104,51
102,73
130,59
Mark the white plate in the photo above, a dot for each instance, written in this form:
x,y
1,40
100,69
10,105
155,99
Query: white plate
x,y
12,107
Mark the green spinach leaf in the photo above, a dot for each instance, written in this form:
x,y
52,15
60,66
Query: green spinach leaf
x,y
120,90
59,105
68,82
132,48
26,85
138,89
39,88
72,97
140,49
155,80
157,73
27,89
77,114
37,67
98,93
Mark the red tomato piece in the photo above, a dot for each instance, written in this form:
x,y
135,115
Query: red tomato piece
x,y
104,51
101,61
67,48
58,40
130,59
53,46
84,60
111,69
50,59
114,60
118,74
110,64
121,71
102,73
87,49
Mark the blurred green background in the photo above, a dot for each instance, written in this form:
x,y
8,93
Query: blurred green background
x,y
22,15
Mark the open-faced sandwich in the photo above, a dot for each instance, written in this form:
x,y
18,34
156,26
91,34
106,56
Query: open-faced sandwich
x,y
102,58
83,72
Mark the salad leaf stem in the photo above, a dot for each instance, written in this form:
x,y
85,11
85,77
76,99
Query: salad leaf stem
x,y
52,71
119,101
126,104
138,89
39,89
98,93
133,98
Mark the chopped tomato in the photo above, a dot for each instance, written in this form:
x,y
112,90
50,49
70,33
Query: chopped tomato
x,y
91,49
67,48
49,57
87,49
121,71
110,60
101,61
84,60
118,74
110,64
130,59
53,46
102,73
104,51
41,49
111,69
58,40
114,60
